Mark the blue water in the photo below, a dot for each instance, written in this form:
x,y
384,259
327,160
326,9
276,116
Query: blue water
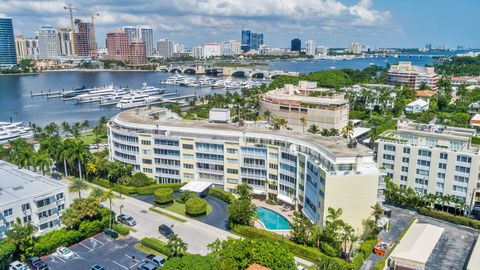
x,y
272,220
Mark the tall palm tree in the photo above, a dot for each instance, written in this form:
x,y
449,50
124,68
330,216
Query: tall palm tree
x,y
279,123
103,120
303,120
109,195
65,127
97,193
267,114
78,152
42,161
377,212
176,245
78,185
63,154
85,124
26,158
16,147
75,130
347,131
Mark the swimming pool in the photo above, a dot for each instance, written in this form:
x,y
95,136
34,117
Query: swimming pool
x,y
272,220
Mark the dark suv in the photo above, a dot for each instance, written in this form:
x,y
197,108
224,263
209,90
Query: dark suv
x,y
35,263
165,230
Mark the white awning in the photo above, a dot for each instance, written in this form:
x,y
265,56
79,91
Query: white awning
x,y
416,246
196,186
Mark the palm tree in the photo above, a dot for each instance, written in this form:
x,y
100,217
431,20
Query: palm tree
x,y
78,185
65,127
347,131
75,130
97,193
109,195
333,132
176,245
91,168
42,161
63,153
16,147
103,120
313,129
279,123
85,124
303,120
377,212
267,114
26,158
334,215
78,152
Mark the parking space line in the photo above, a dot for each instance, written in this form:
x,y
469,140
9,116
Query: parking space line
x,y
130,257
85,246
133,266
58,257
93,238
119,264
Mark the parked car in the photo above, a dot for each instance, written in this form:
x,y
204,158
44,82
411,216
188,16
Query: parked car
x,y
147,266
16,265
97,267
126,219
35,263
65,253
155,259
165,230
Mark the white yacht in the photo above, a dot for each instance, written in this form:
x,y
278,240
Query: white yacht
x,y
97,94
175,79
137,99
11,131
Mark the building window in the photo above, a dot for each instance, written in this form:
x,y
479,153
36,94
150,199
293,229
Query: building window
x,y
187,146
406,150
404,169
146,142
8,212
389,147
424,153
465,159
403,178
422,172
443,155
27,219
405,159
388,157
462,169
187,155
147,161
423,162
460,179
232,171
459,189
147,170
187,166
59,196
441,175
442,165
166,142
26,206
232,150
232,181
43,226
273,176
188,175
232,161
61,207
43,202
273,155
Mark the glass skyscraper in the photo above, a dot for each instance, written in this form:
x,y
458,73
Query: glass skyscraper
x,y
296,45
8,56
251,40
245,40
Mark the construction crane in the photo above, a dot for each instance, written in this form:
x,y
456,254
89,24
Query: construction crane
x,y
70,8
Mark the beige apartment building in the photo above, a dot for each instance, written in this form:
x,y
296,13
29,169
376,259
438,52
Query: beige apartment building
x,y
319,106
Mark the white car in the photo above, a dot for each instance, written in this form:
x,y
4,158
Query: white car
x,y
17,266
65,253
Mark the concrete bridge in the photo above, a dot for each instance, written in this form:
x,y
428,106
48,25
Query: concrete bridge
x,y
244,72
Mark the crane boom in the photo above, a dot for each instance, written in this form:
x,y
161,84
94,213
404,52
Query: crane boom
x,y
69,7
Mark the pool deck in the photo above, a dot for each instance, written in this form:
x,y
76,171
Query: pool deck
x,y
288,214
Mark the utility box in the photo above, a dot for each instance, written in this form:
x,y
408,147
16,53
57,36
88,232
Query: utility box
x,y
218,115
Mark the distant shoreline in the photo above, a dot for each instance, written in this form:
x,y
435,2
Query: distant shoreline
x,y
100,70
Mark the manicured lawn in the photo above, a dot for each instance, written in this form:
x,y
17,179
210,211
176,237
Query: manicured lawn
x,y
158,211
88,137
179,208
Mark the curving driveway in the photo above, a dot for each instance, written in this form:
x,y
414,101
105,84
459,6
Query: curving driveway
x,y
217,218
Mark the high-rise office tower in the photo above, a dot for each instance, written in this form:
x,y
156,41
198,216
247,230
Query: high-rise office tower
x,y
21,47
146,34
67,41
8,55
296,45
251,40
165,48
48,42
132,32
84,40
245,40
118,46
310,47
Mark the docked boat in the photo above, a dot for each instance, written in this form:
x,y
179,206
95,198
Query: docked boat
x,y
97,94
174,80
10,131
137,99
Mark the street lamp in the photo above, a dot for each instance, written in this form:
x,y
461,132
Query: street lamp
x,y
121,206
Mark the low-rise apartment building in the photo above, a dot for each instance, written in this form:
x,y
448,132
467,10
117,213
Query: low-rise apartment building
x,y
309,171
432,159
404,74
30,197
320,107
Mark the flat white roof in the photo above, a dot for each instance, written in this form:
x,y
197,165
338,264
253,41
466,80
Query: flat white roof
x,y
474,262
359,131
196,186
420,102
417,245
18,184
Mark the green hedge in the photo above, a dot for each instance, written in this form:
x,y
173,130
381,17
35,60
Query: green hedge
x,y
156,245
460,220
149,190
196,206
366,248
102,182
475,140
163,195
121,229
49,242
221,194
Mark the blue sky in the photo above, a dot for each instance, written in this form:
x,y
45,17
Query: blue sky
x,y
333,23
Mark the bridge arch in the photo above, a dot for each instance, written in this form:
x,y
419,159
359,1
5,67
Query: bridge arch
x,y
164,70
239,73
211,71
175,70
259,75
189,71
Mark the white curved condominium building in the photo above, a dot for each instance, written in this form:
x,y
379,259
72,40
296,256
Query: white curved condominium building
x,y
310,171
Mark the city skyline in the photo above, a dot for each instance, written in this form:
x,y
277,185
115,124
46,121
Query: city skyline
x,y
334,23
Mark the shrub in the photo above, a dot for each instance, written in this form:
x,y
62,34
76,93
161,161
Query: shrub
x,y
380,265
221,194
89,228
328,250
252,232
137,180
163,195
460,220
366,248
475,140
121,229
185,196
196,206
190,262
156,245
102,182
47,243
7,248
125,190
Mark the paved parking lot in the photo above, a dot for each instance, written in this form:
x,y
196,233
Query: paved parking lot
x,y
101,250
